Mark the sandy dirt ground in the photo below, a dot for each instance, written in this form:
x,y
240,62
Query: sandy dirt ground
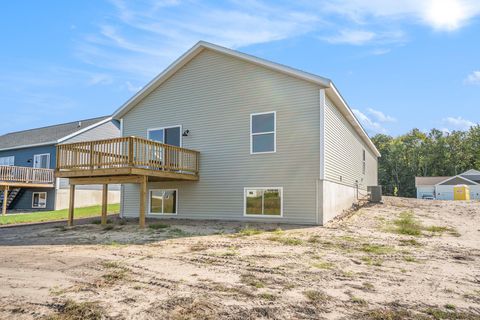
x,y
357,267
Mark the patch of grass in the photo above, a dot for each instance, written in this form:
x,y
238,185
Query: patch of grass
x,y
376,248
317,297
158,225
410,242
72,310
314,239
248,231
323,265
252,281
112,265
115,276
268,296
385,314
289,241
359,301
42,216
198,247
450,306
409,259
407,224
368,286
450,314
176,232
372,262
436,229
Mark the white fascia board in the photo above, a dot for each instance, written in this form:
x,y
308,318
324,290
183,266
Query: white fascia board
x,y
84,130
195,50
29,145
457,176
347,112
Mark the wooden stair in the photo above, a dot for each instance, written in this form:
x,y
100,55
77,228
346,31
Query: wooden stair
x,y
13,195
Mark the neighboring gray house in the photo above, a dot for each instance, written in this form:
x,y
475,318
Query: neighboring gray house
x,y
28,160
274,144
441,188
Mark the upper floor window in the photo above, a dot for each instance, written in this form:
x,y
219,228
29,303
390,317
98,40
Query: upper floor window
x,y
7,161
364,165
263,132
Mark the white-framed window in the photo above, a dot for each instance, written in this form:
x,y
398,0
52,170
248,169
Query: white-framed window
x,y
7,161
263,201
41,161
263,134
168,135
163,201
39,200
364,162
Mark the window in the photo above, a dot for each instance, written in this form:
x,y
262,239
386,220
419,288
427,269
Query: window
x,y
364,165
41,161
39,200
263,202
163,201
7,161
168,135
263,132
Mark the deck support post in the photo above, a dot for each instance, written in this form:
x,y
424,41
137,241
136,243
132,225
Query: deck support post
x,y
143,199
5,200
104,204
71,206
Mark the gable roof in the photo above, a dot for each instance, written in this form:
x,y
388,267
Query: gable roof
x,y
324,83
429,181
459,177
48,135
471,172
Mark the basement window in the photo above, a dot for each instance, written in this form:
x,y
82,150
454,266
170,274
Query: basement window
x,y
263,202
263,136
39,200
163,201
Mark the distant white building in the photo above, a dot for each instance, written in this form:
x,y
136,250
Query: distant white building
x,y
441,188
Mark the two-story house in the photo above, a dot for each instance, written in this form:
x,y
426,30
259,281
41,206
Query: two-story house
x,y
28,160
224,135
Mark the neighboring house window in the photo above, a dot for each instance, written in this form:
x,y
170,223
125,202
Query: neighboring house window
x,y
39,200
263,202
167,135
364,164
7,161
263,132
163,201
41,161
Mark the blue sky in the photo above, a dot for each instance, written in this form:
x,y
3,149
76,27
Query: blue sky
x,y
399,64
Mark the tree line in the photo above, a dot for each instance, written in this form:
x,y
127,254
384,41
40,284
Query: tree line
x,y
416,153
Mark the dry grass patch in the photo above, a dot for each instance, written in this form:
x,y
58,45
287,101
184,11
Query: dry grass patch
x,y
72,310
407,224
252,280
288,241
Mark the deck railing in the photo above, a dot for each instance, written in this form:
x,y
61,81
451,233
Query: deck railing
x,y
126,152
14,174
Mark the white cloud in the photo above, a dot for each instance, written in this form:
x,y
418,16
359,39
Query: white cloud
x,y
100,78
380,116
356,37
131,87
369,124
444,15
456,123
473,78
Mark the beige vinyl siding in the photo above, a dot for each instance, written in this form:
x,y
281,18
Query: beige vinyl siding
x,y
213,96
107,130
343,152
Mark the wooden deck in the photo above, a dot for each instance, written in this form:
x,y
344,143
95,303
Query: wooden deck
x,y
124,160
23,177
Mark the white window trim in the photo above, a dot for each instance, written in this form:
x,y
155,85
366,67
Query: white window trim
x,y
168,127
39,155
150,202
262,215
9,157
46,199
266,132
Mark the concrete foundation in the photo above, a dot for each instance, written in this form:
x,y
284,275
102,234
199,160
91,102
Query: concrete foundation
x,y
84,198
335,198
